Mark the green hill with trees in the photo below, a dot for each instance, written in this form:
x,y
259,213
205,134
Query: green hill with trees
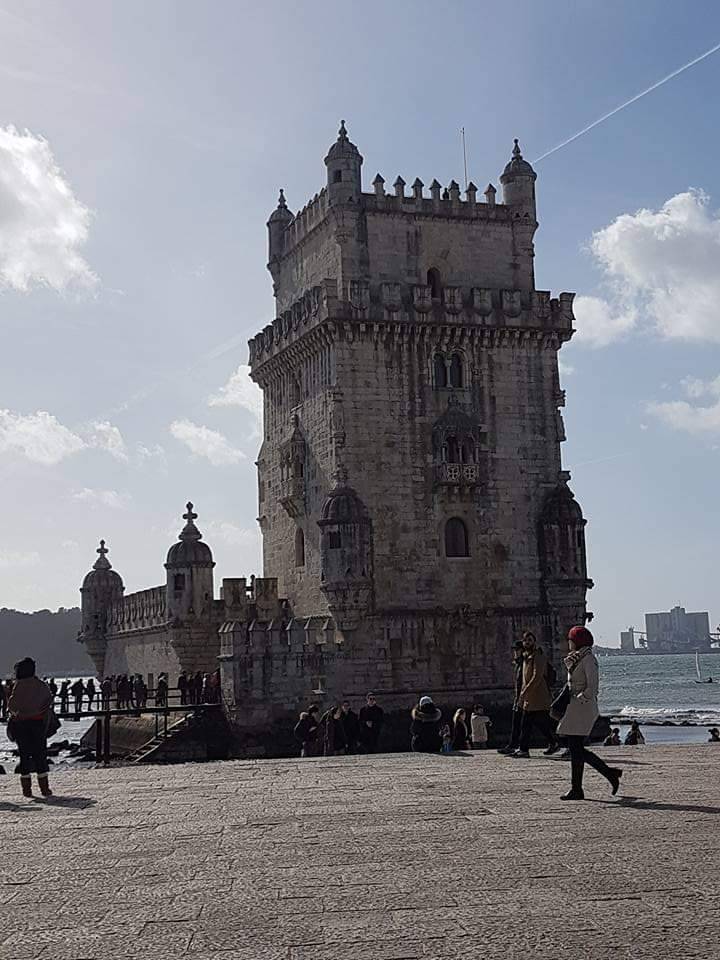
x,y
49,638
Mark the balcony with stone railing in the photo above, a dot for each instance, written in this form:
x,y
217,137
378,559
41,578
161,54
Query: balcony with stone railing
x,y
457,474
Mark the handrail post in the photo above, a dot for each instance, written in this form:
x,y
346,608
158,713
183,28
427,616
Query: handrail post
x,y
98,739
106,750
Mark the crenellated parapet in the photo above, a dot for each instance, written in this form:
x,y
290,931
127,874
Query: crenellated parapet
x,y
395,303
143,610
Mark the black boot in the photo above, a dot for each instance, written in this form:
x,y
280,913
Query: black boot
x,y
573,795
614,779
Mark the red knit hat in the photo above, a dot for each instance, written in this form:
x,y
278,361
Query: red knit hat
x,y
581,637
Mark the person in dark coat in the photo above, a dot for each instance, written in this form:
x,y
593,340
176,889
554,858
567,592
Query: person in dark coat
x,y
334,738
64,696
197,688
161,691
90,691
425,727
183,688
78,690
460,736
352,727
106,693
371,721
29,707
306,731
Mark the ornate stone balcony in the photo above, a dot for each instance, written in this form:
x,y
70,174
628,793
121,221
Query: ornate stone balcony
x,y
457,474
292,495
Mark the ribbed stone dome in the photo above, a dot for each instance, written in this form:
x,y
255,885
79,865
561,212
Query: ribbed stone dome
x,y
518,167
102,576
343,147
343,505
189,550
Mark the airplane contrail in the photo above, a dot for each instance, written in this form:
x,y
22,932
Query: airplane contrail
x,y
627,103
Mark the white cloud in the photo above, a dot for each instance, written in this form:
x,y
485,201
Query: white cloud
x,y
143,452
694,418
662,267
43,225
103,498
600,322
240,391
38,436
204,442
231,533
13,560
105,436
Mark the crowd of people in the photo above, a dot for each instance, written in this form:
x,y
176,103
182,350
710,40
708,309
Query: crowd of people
x,y
567,720
122,692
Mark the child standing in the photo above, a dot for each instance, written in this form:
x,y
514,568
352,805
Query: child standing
x,y
447,739
479,723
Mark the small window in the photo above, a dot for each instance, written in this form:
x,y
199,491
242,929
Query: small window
x,y
456,370
467,451
433,281
179,582
299,548
456,538
451,446
337,176
439,371
334,540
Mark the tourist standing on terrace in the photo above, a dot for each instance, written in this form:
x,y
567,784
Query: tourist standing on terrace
x,y
29,707
534,698
182,686
582,712
425,727
90,691
352,727
371,721
306,730
461,740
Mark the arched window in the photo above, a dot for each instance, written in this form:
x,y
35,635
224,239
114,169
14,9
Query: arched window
x,y
467,450
439,371
299,548
456,370
453,453
433,281
456,538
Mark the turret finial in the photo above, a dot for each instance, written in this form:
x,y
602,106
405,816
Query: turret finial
x,y
190,531
516,150
342,132
102,563
281,200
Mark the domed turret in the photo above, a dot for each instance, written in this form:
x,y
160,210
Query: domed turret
x,y
518,183
279,219
344,165
346,554
101,588
189,568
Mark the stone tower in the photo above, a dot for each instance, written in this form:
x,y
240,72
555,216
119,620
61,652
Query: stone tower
x,y
410,478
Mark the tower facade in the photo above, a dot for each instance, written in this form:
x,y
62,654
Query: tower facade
x,y
410,478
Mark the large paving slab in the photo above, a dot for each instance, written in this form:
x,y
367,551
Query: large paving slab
x,y
397,857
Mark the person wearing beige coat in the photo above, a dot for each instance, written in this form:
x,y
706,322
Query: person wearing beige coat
x,y
534,698
581,713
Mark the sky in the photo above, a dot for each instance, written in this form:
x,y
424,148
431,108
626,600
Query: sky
x,y
141,152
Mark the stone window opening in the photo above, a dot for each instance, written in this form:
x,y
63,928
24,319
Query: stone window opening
x,y
456,371
334,540
440,374
452,454
456,538
337,176
299,547
434,282
179,582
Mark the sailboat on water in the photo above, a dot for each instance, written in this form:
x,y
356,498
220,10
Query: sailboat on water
x,y
699,671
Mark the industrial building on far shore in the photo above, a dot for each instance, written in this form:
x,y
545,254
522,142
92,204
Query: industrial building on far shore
x,y
676,631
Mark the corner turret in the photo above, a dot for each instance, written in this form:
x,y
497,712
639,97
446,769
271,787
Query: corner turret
x,y
344,166
101,588
279,219
189,568
518,183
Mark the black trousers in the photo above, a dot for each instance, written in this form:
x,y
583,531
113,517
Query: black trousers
x,y
579,756
541,720
515,729
31,739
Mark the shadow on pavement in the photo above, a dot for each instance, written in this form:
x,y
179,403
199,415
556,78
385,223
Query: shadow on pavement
x,y
17,807
635,803
64,801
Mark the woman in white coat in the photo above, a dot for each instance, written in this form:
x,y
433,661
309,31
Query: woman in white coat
x,y
582,712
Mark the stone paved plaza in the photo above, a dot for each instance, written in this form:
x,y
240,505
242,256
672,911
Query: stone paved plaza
x,y
391,857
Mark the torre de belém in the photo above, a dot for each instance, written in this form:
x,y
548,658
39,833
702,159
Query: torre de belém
x,y
414,512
